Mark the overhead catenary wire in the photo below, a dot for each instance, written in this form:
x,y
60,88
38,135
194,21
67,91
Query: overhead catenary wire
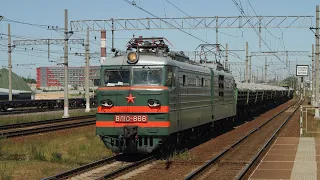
x,y
270,32
230,53
248,20
27,23
198,20
239,7
135,5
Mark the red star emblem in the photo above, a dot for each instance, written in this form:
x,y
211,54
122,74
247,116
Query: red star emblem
x,y
130,98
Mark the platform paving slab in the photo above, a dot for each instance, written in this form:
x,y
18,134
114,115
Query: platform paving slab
x,y
290,158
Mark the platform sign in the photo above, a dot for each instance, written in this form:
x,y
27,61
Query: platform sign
x,y
302,70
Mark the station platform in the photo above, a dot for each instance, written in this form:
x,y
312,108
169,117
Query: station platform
x,y
290,158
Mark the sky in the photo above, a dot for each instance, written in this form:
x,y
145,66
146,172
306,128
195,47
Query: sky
x,y
26,20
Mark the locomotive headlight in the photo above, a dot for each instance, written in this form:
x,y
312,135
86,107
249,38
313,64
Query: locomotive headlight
x,y
132,57
153,103
107,103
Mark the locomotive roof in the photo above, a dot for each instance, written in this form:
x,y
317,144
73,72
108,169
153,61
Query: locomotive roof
x,y
152,60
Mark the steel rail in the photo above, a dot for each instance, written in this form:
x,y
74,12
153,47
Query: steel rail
x,y
42,122
83,168
36,110
23,132
11,134
127,168
247,167
215,158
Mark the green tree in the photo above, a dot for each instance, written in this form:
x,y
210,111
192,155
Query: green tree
x,y
29,80
289,80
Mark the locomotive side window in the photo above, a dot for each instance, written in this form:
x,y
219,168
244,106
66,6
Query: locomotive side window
x,y
170,78
221,85
116,77
202,82
184,80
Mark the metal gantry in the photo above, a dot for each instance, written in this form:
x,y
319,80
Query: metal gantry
x,y
193,23
181,23
48,42
281,53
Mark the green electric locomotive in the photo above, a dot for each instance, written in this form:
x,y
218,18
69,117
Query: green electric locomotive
x,y
149,94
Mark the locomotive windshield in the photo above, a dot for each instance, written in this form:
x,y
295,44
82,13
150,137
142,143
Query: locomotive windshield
x,y
117,77
133,76
147,76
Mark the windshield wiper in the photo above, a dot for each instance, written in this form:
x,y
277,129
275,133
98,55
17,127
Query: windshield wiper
x,y
152,71
120,74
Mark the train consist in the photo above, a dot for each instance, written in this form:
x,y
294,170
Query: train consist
x,y
151,96
45,103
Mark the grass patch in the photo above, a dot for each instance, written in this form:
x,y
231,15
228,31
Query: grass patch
x,y
31,117
5,174
37,153
56,157
56,152
30,170
182,155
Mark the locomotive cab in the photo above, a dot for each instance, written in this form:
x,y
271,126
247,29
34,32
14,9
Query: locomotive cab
x,y
133,102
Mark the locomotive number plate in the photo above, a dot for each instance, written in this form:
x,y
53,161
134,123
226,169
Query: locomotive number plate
x,y
131,118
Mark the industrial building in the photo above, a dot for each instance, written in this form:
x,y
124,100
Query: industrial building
x,y
20,89
54,76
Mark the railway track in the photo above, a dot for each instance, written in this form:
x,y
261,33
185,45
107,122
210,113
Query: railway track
x,y
224,162
106,168
22,129
111,168
35,110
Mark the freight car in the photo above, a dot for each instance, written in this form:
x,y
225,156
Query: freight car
x,y
150,96
45,103
255,98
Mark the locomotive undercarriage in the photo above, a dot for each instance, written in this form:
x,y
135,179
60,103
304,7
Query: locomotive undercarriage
x,y
128,141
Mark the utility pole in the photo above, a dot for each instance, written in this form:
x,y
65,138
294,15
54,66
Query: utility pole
x,y
287,59
9,63
247,56
87,74
252,78
317,62
244,74
260,33
257,76
217,26
66,36
262,79
265,71
112,31
313,76
291,76
302,88
250,70
226,56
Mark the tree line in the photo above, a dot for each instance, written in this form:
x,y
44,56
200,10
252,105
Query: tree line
x,y
29,80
